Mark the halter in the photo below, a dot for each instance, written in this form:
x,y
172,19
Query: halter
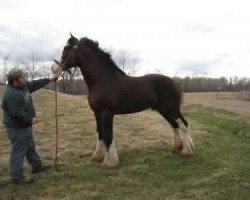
x,y
71,54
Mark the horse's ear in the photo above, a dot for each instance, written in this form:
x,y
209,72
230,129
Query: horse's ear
x,y
73,37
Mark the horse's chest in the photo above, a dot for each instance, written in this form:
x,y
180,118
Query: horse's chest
x,y
100,102
91,104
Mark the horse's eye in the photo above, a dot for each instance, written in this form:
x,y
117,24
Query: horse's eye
x,y
66,48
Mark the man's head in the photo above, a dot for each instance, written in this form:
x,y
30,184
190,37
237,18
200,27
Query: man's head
x,y
16,77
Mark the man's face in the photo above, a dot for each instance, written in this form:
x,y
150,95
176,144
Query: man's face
x,y
20,81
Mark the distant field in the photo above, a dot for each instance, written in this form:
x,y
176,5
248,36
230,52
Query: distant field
x,y
226,101
220,168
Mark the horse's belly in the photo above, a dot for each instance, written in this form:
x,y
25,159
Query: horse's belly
x,y
132,106
129,110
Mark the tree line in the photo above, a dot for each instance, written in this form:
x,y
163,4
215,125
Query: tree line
x,y
188,84
128,62
204,84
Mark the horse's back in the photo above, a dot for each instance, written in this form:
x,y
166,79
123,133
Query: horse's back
x,y
160,89
160,83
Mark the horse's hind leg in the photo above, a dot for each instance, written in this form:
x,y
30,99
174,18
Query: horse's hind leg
x,y
178,140
188,145
183,143
100,150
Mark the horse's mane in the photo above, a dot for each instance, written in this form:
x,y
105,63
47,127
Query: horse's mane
x,y
105,56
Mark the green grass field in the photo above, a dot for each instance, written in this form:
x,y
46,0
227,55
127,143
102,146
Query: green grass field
x,y
220,168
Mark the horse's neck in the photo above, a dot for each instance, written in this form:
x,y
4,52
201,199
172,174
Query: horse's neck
x,y
88,79
94,75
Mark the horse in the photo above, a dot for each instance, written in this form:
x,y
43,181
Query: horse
x,y
112,92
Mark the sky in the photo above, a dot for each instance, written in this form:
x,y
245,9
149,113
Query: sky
x,y
176,37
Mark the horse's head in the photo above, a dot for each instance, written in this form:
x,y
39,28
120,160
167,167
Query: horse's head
x,y
70,56
81,53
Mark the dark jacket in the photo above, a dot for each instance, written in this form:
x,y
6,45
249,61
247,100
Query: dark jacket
x,y
18,106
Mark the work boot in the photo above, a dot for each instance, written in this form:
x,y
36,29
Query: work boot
x,y
22,180
41,168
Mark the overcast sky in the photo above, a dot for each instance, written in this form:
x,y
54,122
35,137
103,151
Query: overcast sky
x,y
179,37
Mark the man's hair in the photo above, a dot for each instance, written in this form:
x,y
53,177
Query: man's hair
x,y
13,74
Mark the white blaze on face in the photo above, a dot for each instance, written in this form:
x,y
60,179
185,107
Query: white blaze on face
x,y
56,69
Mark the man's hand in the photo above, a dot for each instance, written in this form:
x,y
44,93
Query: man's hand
x,y
34,120
54,77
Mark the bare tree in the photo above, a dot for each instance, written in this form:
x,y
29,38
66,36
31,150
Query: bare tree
x,y
33,65
30,65
5,67
158,71
57,53
43,71
126,61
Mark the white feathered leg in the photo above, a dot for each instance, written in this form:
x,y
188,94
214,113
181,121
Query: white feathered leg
x,y
100,151
111,159
178,141
188,146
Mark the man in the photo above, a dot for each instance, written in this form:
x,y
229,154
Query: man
x,y
18,116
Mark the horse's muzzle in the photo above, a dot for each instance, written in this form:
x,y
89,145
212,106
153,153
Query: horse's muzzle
x,y
57,68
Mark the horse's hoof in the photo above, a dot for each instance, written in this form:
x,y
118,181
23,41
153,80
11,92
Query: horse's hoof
x,y
176,149
186,152
97,158
188,148
110,163
100,152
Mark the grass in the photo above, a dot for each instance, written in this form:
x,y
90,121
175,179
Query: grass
x,y
220,168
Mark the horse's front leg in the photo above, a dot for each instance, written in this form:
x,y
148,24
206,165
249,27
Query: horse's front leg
x,y
100,150
111,159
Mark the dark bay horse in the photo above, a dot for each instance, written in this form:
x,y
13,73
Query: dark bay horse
x,y
112,92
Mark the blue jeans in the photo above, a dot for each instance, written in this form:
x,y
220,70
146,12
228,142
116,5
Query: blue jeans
x,y
23,145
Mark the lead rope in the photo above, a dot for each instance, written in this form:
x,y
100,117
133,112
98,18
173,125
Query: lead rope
x,y
56,120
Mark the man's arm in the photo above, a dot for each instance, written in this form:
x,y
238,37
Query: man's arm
x,y
15,108
37,84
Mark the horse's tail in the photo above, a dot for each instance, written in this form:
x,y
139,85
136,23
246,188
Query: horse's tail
x,y
184,121
179,91
181,99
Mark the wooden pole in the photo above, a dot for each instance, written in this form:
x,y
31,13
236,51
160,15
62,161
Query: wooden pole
x,y
56,120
